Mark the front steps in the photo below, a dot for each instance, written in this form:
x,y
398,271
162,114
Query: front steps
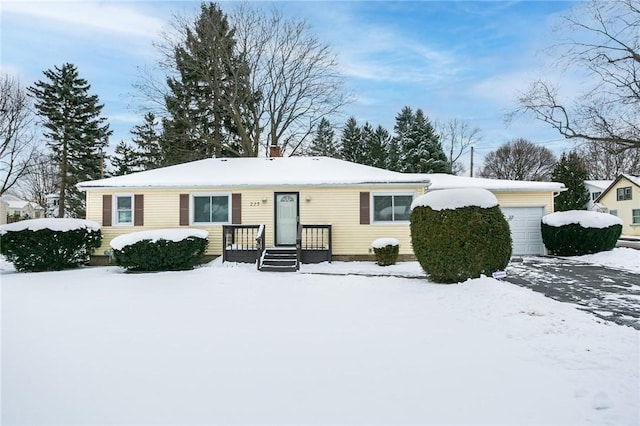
x,y
279,260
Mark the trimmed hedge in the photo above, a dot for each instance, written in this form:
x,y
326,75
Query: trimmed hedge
x,y
453,245
49,250
162,255
387,255
574,240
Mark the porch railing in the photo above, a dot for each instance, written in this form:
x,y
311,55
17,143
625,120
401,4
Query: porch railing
x,y
240,243
246,243
315,243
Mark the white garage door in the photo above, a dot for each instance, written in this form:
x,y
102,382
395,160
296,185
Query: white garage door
x,y
525,229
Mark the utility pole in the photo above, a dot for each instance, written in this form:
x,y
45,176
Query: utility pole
x,y
471,167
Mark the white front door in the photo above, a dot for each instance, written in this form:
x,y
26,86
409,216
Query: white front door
x,y
286,218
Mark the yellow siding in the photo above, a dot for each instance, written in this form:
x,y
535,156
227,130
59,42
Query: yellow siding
x,y
337,206
624,208
526,199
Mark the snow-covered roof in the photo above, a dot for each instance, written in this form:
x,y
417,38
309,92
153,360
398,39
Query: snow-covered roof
x,y
444,181
634,179
600,184
279,171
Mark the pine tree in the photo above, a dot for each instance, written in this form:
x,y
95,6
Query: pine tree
x,y
393,155
421,151
146,142
76,133
324,143
572,171
205,100
125,160
377,144
352,144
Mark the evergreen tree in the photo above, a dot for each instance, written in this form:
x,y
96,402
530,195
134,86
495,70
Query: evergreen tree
x,y
204,100
393,155
146,142
125,160
402,138
324,143
377,144
422,152
572,171
76,133
366,136
352,145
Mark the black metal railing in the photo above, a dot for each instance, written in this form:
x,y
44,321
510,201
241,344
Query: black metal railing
x,y
240,243
315,243
246,243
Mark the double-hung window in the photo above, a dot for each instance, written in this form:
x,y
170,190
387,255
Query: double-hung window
x,y
210,208
123,210
624,193
635,217
391,207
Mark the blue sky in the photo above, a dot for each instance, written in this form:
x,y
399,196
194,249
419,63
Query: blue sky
x,y
465,60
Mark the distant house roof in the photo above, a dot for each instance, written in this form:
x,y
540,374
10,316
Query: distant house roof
x,y
635,180
600,184
278,171
444,181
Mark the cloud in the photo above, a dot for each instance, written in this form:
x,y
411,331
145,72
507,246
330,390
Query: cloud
x,y
113,18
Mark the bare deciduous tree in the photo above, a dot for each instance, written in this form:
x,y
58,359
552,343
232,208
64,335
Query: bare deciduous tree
x,y
606,162
40,180
456,137
294,78
604,42
519,159
17,134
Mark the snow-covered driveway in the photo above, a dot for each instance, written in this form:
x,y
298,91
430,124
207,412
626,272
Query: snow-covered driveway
x,y
610,292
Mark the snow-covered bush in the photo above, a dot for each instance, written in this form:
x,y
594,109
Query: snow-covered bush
x,y
49,244
578,232
160,249
459,234
386,250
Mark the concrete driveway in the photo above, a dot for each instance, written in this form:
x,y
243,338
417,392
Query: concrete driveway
x,y
611,294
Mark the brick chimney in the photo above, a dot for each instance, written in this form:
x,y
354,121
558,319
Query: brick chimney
x,y
274,151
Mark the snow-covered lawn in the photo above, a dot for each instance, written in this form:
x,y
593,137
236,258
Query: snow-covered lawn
x,y
226,344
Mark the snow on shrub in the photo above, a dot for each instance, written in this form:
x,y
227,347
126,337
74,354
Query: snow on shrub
x,y
386,250
49,244
160,249
459,234
578,232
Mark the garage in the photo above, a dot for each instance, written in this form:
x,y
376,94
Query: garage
x,y
525,229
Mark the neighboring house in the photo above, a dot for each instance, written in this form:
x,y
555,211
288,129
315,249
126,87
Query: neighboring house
x,y
341,207
622,199
18,209
595,188
3,211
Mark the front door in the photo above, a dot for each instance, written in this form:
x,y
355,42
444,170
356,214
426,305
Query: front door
x,y
286,218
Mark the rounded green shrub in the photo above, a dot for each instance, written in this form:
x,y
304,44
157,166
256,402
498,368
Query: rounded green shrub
x,y
462,241
160,250
578,232
386,251
49,244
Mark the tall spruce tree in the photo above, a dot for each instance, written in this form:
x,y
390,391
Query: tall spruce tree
x,y
376,145
572,171
146,142
206,98
352,144
421,151
324,142
125,160
75,132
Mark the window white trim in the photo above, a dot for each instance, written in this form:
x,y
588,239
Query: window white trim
x,y
192,210
372,205
114,209
635,216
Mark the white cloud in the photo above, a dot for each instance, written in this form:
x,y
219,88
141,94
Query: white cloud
x,y
77,16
